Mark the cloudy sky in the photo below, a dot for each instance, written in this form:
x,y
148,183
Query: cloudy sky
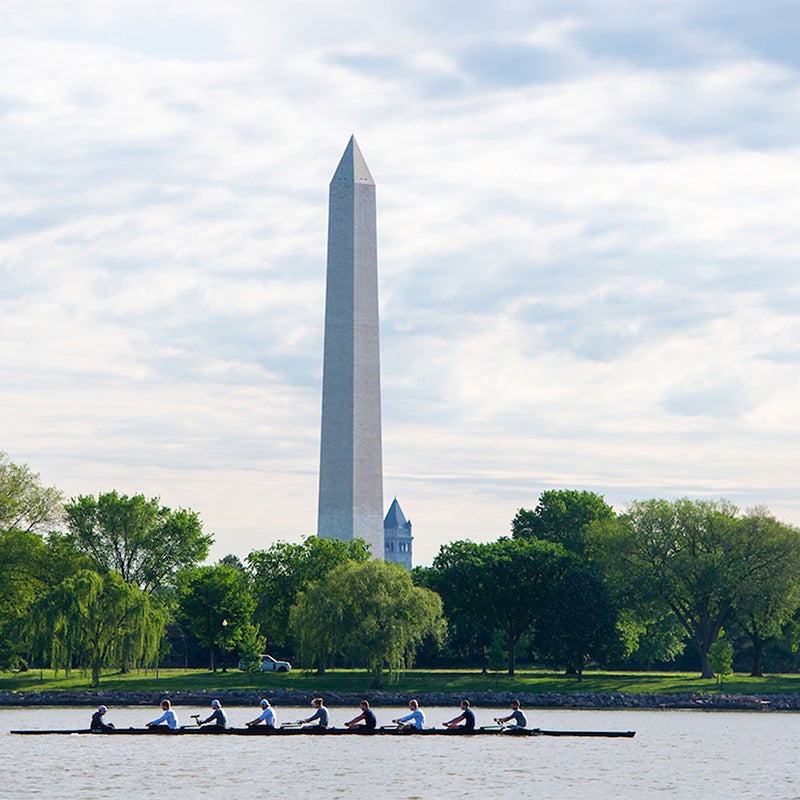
x,y
588,247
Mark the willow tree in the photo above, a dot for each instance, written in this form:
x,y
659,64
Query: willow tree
x,y
23,557
370,613
96,622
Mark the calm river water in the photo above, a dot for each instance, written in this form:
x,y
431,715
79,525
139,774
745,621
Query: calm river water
x,y
675,754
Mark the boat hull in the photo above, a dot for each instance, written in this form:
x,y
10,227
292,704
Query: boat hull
x,y
212,730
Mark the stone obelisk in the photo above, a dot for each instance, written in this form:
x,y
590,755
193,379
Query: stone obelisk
x,y
351,464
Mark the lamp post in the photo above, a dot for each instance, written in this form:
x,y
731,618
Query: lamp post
x,y
224,643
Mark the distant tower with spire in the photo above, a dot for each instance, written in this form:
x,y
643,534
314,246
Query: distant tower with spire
x,y
351,464
397,536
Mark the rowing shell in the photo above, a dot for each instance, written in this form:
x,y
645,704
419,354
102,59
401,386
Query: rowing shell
x,y
215,730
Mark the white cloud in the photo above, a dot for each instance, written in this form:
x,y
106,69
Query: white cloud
x,y
588,252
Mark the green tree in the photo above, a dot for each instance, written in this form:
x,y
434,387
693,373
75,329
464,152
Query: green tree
x,y
694,557
651,637
218,605
500,585
455,578
370,612
23,558
579,623
251,646
562,516
145,542
285,569
25,504
96,620
767,598
720,657
30,566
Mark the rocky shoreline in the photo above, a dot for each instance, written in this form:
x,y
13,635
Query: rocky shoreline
x,y
487,699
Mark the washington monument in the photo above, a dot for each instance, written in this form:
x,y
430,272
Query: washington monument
x,y
351,465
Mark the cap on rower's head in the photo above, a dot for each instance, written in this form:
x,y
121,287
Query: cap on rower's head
x,y
102,709
215,704
264,703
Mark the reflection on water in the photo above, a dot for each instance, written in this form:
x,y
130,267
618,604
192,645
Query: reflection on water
x,y
676,754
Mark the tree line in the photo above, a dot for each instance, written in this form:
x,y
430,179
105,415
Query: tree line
x,y
117,582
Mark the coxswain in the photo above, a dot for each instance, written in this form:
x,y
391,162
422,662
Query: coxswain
x,y
168,717
217,716
416,719
465,721
319,717
367,717
97,725
267,716
516,719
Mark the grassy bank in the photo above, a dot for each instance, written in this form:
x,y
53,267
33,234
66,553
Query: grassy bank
x,y
458,681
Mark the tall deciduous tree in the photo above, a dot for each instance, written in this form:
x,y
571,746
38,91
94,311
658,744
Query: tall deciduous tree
x,y
144,541
578,622
562,516
370,612
455,578
218,606
768,597
282,571
501,585
697,557
25,504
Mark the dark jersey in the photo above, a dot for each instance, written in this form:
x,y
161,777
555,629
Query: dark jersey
x,y
217,718
370,720
321,715
469,719
97,723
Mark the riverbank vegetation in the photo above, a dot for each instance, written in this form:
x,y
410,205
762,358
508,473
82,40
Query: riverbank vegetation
x,y
409,682
111,585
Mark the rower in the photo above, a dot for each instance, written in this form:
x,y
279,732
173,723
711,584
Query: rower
x,y
168,717
467,717
320,715
367,716
217,716
267,716
515,720
97,725
416,719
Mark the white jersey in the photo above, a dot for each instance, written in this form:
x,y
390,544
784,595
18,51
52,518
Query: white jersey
x,y
268,717
170,717
417,717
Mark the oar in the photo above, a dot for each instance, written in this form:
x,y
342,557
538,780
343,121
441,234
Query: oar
x,y
196,718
